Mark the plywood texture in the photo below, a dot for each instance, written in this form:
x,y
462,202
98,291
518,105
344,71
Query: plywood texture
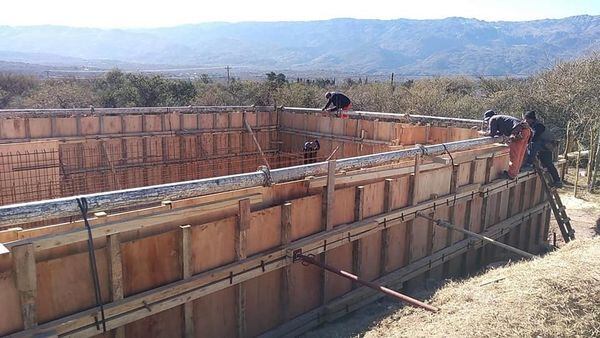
x,y
288,214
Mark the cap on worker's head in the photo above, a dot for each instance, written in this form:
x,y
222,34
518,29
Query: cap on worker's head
x,y
530,115
488,114
327,95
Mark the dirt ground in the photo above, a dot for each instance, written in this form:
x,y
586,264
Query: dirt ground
x,y
584,212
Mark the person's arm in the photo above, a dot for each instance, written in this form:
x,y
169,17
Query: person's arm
x,y
328,103
492,129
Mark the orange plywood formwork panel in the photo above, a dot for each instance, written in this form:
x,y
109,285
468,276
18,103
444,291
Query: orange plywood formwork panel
x,y
221,264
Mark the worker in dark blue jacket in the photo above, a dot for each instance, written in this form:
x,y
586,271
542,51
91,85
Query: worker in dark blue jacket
x,y
338,101
541,146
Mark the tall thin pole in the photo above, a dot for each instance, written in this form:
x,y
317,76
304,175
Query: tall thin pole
x,y
576,184
565,166
228,68
596,162
591,157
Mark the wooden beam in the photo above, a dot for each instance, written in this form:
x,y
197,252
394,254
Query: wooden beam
x,y
451,216
483,252
348,139
26,282
328,197
385,233
359,204
413,193
241,242
327,201
186,272
115,274
363,176
171,217
286,237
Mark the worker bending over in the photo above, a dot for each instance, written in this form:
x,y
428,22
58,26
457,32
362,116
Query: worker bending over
x,y
541,145
518,134
311,148
338,101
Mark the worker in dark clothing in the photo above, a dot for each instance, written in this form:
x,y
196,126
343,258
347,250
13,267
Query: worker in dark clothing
x,y
310,151
541,145
518,133
338,101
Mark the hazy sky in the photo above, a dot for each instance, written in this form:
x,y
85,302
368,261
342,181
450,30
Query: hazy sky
x,y
151,13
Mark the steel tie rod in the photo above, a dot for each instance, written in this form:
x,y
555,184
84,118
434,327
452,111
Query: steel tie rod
x,y
376,287
486,239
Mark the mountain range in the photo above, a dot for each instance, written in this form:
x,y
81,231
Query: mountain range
x,y
407,47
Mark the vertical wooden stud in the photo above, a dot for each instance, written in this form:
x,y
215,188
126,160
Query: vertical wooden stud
x,y
115,273
186,272
385,234
286,237
359,202
26,282
327,200
244,217
413,193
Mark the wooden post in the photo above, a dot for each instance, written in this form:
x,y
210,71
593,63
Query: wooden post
x,y
414,191
53,126
451,216
115,274
244,218
328,197
576,184
186,272
359,202
286,237
565,166
596,162
327,200
484,209
26,282
385,234
590,163
101,123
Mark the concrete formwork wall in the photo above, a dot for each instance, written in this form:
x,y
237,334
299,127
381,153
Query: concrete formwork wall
x,y
93,152
230,273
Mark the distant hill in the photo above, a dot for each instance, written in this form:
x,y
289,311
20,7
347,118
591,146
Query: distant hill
x,y
407,47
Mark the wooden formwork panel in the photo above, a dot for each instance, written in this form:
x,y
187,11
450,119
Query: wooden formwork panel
x,y
220,239
152,261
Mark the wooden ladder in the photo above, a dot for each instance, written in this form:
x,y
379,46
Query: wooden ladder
x,y
559,210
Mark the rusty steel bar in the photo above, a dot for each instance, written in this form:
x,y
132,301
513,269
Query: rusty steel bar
x,y
376,287
451,226
143,196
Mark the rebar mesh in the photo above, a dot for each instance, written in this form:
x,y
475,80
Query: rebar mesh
x,y
102,165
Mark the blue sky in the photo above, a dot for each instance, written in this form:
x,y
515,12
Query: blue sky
x,y
151,13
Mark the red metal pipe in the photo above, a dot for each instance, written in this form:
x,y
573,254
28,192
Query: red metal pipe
x,y
376,287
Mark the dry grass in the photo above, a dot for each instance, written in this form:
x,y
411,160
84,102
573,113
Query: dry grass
x,y
558,295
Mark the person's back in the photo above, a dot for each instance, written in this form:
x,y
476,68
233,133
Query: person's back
x,y
502,125
337,101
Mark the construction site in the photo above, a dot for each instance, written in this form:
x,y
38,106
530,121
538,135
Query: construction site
x,y
216,222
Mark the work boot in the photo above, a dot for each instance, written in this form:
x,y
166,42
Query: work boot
x,y
557,185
